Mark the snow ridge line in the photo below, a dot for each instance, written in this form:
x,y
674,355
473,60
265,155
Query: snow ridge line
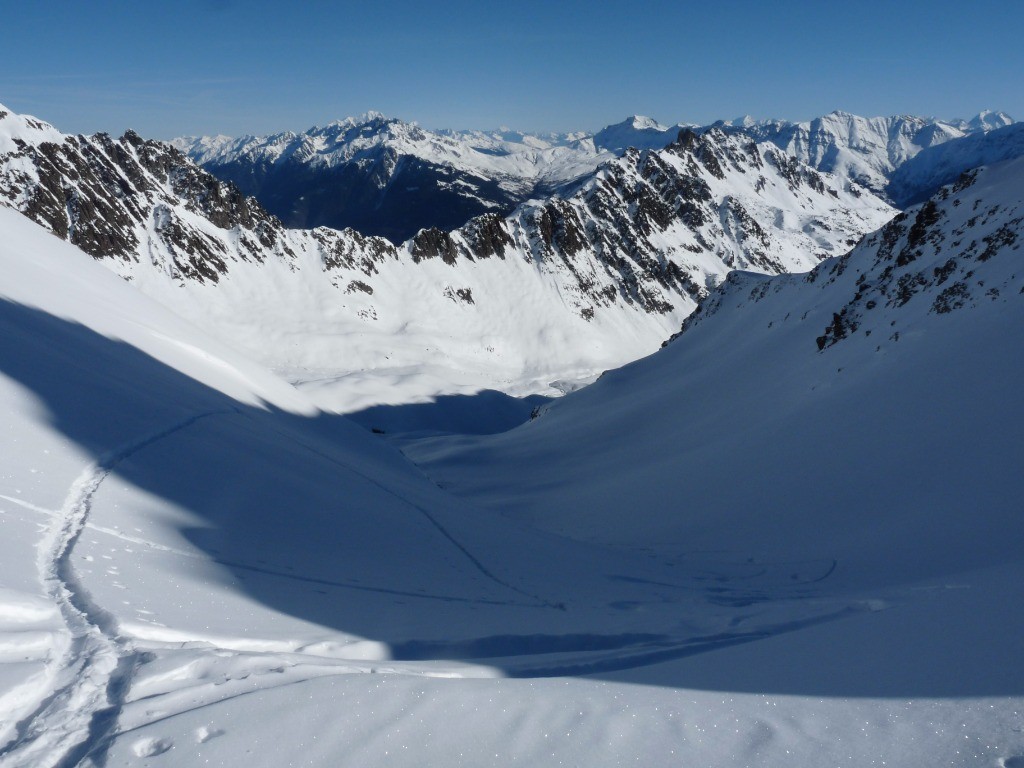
x,y
93,673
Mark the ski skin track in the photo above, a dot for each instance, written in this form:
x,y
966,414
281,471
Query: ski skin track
x,y
76,719
76,722
94,672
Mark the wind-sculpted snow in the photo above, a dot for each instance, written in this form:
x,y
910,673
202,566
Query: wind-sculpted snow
x,y
558,291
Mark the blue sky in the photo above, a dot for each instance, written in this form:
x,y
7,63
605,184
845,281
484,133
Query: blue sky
x,y
227,66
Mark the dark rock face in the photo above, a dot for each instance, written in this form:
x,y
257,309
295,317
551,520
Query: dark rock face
x,y
623,237
103,194
895,278
432,244
393,196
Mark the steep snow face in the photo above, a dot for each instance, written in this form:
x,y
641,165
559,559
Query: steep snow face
x,y
865,150
864,412
557,292
922,175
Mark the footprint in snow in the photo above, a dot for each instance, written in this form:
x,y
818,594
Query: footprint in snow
x,y
204,733
151,747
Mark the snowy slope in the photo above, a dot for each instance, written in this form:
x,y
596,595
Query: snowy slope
x,y
878,380
867,149
919,178
185,540
864,417
200,568
559,291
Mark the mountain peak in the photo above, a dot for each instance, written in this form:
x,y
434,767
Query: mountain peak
x,y
366,118
636,131
24,127
638,123
988,120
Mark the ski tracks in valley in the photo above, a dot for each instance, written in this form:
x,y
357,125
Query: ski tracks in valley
x,y
89,677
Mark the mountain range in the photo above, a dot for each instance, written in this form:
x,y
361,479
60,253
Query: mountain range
x,y
278,495
609,268
383,176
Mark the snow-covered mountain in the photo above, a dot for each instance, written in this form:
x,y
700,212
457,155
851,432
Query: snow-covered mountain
x,y
922,175
789,538
636,132
383,176
190,551
386,177
889,365
858,427
987,120
865,150
558,291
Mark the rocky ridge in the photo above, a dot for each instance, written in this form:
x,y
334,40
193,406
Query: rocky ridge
x,y
608,268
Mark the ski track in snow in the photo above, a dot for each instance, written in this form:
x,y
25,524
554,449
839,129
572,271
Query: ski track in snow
x,y
475,561
88,682
91,677
81,713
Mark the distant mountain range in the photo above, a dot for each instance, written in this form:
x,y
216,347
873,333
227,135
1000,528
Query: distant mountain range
x,y
383,176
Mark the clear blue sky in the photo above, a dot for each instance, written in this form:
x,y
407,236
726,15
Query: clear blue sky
x,y
228,66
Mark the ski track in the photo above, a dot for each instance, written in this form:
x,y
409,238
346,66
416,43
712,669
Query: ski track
x,y
92,674
113,532
442,530
76,721
90,679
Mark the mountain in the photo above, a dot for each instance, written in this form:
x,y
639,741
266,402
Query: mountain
x,y
866,150
186,540
781,540
636,132
988,120
922,175
880,380
850,434
382,176
606,271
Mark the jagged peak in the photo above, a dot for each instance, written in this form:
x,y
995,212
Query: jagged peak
x,y
24,128
370,117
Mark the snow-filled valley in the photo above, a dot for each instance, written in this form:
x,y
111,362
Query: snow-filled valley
x,y
301,497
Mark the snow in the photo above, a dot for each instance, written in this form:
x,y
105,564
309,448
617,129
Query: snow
x,y
541,320
918,178
750,548
523,160
884,468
